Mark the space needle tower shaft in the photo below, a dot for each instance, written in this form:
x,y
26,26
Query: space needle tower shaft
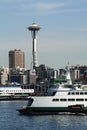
x,y
34,28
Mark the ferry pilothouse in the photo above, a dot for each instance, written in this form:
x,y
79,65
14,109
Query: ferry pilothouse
x,y
62,97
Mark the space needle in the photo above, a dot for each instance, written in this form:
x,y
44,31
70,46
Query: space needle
x,y
34,28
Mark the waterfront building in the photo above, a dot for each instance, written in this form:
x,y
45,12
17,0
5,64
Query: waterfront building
x,y
4,72
18,79
77,74
16,58
18,75
31,76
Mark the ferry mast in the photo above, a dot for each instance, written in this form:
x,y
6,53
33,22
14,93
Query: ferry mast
x,y
34,28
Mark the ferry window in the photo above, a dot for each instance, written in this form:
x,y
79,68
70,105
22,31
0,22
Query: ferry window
x,y
7,91
71,99
77,93
85,93
86,99
63,99
81,93
30,101
73,93
55,99
80,99
68,93
77,99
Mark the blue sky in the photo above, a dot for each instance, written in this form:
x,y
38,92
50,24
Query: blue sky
x,y
63,34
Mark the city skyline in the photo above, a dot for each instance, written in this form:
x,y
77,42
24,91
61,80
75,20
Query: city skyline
x,y
63,34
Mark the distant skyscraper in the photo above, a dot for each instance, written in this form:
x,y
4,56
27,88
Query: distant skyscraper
x,y
16,58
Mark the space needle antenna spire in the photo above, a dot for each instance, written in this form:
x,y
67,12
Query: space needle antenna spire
x,y
34,28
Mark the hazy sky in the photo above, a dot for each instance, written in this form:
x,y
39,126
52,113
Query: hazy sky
x,y
63,34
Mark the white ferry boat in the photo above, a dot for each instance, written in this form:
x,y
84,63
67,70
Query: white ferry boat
x,y
9,92
61,98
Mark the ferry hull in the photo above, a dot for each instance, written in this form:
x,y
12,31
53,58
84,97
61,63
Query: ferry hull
x,y
51,110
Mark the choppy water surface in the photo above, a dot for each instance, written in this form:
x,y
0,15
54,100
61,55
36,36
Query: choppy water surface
x,y
10,119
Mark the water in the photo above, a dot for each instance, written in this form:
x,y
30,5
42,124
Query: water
x,y
10,119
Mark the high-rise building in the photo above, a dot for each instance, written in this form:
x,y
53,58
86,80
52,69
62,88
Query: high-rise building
x,y
16,59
